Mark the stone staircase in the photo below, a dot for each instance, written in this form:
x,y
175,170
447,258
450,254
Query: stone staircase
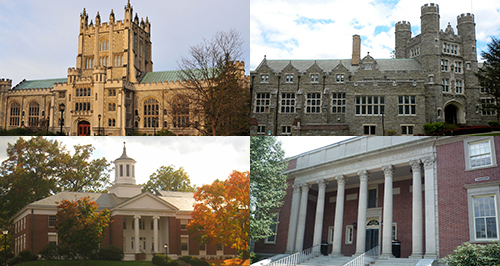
x,y
339,261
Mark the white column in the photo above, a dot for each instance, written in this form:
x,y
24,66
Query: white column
x,y
387,223
136,233
292,229
156,218
417,226
430,208
339,216
301,226
320,209
362,206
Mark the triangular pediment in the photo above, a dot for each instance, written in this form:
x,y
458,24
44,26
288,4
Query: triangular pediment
x,y
146,202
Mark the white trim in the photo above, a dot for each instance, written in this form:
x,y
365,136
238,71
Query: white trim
x,y
349,232
331,229
478,139
484,189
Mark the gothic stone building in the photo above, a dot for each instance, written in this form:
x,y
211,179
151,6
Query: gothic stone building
x,y
430,80
142,222
111,91
361,193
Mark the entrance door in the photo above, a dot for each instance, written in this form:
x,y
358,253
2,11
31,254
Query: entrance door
x,y
450,114
83,128
371,239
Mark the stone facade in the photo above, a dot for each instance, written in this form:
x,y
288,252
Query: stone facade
x,y
372,181
431,79
111,91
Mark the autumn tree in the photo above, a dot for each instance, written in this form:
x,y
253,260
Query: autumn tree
x,y
489,77
80,226
83,174
267,185
216,90
168,178
221,213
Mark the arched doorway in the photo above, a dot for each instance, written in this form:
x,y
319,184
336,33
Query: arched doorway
x,y
450,114
372,233
83,128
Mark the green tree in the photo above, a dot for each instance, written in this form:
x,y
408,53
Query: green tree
x,y
167,178
80,227
81,174
489,76
30,173
267,184
217,89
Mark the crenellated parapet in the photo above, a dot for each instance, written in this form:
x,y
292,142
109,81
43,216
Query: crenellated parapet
x,y
30,92
403,26
429,9
465,18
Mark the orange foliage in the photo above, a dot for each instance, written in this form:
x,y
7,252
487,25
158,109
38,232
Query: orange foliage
x,y
222,212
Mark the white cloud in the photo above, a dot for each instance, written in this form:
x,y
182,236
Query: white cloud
x,y
276,20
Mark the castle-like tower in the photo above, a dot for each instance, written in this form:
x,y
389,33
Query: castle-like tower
x,y
119,49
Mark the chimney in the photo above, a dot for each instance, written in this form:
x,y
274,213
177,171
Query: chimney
x,y
356,49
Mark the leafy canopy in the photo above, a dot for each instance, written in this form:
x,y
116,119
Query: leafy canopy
x,y
80,227
221,212
168,178
267,184
489,76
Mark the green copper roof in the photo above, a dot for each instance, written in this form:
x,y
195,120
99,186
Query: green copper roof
x,y
38,84
161,76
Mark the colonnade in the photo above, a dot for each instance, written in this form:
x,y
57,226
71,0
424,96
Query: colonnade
x,y
299,210
156,237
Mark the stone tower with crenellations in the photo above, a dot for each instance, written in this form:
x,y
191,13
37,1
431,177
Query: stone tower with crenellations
x,y
122,47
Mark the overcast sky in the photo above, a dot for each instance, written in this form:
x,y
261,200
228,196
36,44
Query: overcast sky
x,y
323,29
203,158
300,144
39,39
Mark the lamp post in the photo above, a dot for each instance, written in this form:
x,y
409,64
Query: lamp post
x,y
166,249
99,132
5,233
61,109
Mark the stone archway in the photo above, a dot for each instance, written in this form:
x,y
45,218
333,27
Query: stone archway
x,y
454,113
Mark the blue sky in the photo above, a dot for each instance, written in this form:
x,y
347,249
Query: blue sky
x,y
203,158
39,39
319,29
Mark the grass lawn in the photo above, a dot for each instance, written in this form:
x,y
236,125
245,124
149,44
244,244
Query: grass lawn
x,y
88,263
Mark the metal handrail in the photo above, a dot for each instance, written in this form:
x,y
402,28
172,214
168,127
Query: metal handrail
x,y
298,257
365,258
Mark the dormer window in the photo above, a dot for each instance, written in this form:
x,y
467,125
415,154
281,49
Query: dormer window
x,y
314,78
368,66
289,78
340,77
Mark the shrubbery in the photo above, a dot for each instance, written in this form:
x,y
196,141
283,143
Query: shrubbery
x,y
493,124
109,253
51,252
161,260
434,128
23,256
474,255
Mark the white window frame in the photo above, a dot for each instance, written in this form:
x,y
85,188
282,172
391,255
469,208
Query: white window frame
x,y
459,86
276,219
314,78
331,230
474,140
349,234
482,190
339,78
458,67
185,252
394,233
370,125
264,78
407,129
446,85
53,235
444,65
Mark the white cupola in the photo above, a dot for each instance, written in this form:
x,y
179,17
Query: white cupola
x,y
124,185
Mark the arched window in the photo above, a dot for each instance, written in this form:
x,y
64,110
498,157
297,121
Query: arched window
x,y
180,112
33,114
151,112
15,114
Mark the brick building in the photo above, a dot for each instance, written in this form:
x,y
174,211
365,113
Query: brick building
x,y
142,222
361,184
431,79
111,91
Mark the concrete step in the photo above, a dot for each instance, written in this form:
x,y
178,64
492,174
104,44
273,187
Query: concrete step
x,y
396,262
327,260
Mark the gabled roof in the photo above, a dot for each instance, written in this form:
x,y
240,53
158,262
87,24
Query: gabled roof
x,y
38,84
328,65
103,199
182,200
146,201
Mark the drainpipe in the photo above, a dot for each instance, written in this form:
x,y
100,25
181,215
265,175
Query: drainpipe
x,y
277,108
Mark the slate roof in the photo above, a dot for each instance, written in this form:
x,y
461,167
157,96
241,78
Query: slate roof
x,y
103,199
329,64
182,200
38,84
